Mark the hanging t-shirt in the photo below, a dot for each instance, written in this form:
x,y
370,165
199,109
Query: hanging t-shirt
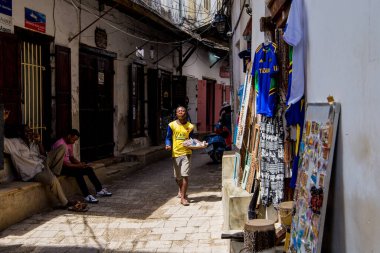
x,y
246,56
176,135
294,36
264,69
295,113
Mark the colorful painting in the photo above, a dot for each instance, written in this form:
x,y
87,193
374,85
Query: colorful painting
x,y
317,149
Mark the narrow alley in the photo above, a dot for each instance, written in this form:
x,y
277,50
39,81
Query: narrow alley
x,y
143,215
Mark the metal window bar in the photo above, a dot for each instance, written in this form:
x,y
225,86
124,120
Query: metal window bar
x,y
31,65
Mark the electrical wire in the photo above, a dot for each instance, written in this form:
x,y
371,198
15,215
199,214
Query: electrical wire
x,y
144,39
199,22
188,7
196,59
134,36
237,23
206,19
157,12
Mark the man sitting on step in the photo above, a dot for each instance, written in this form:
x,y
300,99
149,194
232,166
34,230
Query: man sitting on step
x,y
33,164
73,167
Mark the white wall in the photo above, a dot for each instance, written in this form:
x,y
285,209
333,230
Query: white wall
x,y
258,10
238,44
66,23
198,66
343,60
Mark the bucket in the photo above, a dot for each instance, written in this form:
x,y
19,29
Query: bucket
x,y
285,211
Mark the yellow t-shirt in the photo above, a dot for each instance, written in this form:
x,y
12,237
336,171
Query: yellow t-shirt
x,y
180,133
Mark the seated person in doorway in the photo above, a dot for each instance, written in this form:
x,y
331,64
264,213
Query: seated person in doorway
x,y
33,164
74,168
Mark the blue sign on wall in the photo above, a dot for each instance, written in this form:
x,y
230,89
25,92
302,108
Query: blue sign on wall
x,y
6,7
35,20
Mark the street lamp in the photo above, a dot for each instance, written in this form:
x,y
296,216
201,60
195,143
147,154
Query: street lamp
x,y
220,21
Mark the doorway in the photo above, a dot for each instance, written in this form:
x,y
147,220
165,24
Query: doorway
x,y
25,80
96,74
136,101
159,104
210,104
10,83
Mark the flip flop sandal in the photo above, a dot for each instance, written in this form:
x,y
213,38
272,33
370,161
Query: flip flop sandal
x,y
82,205
78,202
186,203
79,207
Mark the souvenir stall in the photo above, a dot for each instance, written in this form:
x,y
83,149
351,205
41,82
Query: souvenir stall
x,y
282,160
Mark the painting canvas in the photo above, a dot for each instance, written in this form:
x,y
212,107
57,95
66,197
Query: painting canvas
x,y
317,149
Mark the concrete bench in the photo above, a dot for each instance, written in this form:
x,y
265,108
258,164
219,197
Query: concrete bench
x,y
19,200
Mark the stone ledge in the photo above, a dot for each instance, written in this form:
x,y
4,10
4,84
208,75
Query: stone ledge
x,y
235,202
147,155
20,200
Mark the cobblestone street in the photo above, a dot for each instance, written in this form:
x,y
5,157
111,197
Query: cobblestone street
x,y
143,215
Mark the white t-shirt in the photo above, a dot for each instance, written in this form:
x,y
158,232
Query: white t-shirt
x,y
27,161
294,36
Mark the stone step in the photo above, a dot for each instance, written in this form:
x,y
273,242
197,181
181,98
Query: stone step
x,y
20,200
147,155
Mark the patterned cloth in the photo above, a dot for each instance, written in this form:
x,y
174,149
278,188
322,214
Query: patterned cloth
x,y
256,241
272,160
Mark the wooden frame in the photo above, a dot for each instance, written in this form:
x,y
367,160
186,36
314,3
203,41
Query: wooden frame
x,y
254,153
312,190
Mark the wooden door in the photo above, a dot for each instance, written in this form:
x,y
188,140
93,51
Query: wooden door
x,y
35,73
136,101
227,95
191,91
210,105
10,86
166,102
62,90
95,105
179,92
201,113
218,101
154,106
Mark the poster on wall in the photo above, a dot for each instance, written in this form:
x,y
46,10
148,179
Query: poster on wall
x,y
317,150
6,24
35,20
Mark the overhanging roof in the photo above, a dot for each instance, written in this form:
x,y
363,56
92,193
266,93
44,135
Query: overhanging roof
x,y
145,14
149,17
211,36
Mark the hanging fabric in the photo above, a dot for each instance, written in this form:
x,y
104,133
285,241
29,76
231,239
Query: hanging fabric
x,y
272,160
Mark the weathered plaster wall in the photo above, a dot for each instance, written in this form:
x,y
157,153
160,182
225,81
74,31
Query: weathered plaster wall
x,y
199,64
66,23
68,20
343,60
238,44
